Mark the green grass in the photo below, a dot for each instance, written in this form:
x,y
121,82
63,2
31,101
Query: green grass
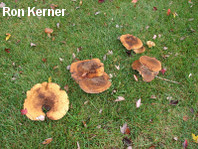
x,y
96,39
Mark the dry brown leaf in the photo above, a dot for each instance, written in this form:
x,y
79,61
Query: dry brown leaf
x,y
47,141
185,118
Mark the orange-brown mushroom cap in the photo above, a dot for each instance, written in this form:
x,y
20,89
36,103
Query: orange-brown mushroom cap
x,y
131,42
136,65
48,30
46,94
86,69
96,84
151,63
140,50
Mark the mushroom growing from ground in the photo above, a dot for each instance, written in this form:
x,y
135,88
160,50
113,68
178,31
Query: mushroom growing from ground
x,y
131,42
46,95
148,67
48,31
87,69
90,75
150,44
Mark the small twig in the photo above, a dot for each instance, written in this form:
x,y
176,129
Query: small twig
x,y
167,80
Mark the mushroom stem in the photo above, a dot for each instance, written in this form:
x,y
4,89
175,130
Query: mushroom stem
x,y
48,34
164,79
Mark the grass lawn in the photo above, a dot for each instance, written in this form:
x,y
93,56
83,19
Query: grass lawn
x,y
155,123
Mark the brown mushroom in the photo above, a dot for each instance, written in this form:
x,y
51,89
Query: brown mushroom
x,y
131,42
96,84
48,95
148,67
48,31
87,69
151,63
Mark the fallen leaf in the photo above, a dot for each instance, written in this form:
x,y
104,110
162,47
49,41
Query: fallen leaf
x,y
23,111
8,35
68,67
174,102
32,45
117,67
66,87
195,138
165,48
79,49
153,97
53,6
44,60
163,70
134,1
55,67
47,141
61,59
138,103
168,12
185,144
185,118
175,138
152,147
7,50
100,111
154,37
97,12
120,98
84,124
2,5
154,8
192,110
73,55
58,25
123,128
100,1
136,78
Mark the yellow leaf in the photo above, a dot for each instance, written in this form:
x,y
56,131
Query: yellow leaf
x,y
47,141
49,79
195,138
8,35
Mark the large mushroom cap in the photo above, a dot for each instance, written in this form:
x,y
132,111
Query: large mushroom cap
x,y
48,30
96,84
46,94
131,42
87,69
151,63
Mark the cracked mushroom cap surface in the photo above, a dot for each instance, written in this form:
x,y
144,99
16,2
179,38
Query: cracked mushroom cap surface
x,y
131,42
151,63
86,69
96,84
49,95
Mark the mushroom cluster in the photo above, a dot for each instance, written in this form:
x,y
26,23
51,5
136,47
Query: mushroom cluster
x,y
131,42
90,75
148,67
48,95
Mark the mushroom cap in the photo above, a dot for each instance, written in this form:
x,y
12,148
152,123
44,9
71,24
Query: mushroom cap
x,y
147,75
136,65
87,69
150,44
131,42
48,30
151,63
46,94
140,50
96,84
